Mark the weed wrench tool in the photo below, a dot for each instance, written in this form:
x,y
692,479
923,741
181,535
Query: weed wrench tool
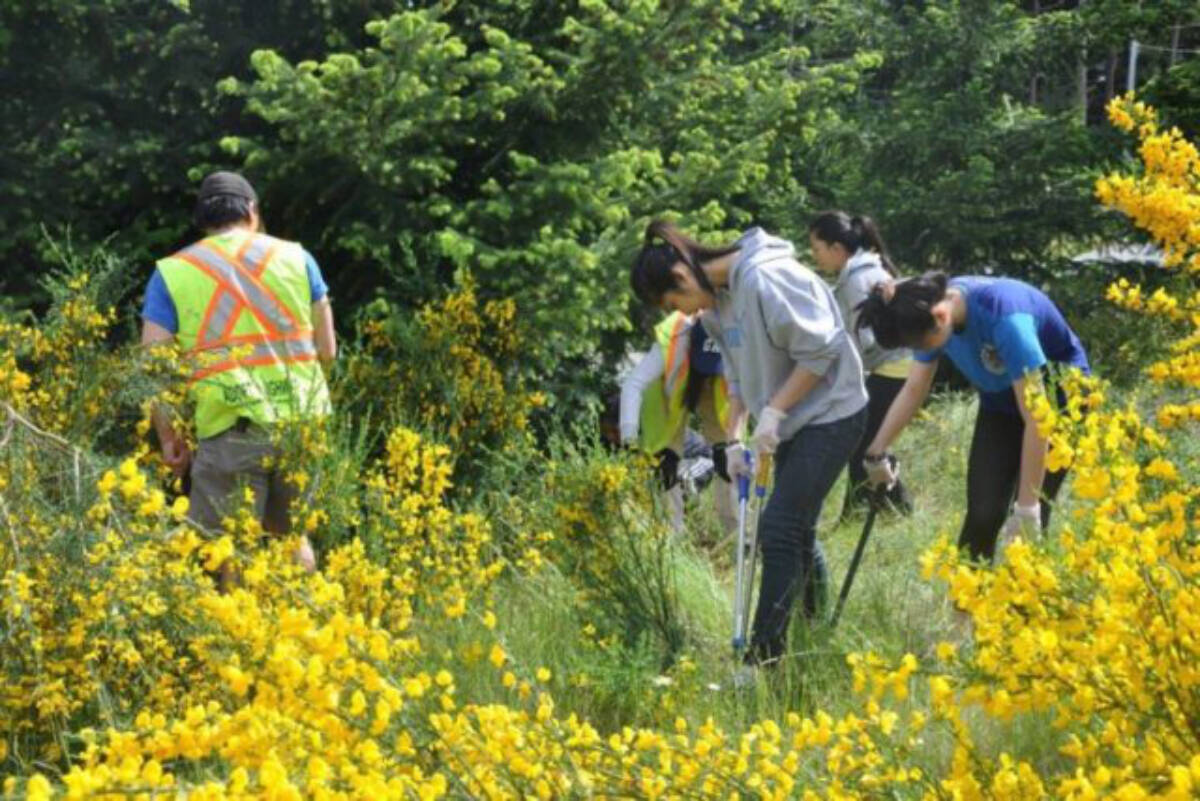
x,y
747,550
876,501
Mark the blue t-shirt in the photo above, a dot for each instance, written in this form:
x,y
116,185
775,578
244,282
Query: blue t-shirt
x,y
158,307
1012,328
703,354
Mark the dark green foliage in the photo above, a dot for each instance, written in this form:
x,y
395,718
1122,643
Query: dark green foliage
x,y
529,140
109,111
533,154
945,148
1177,92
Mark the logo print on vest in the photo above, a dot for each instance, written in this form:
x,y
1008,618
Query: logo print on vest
x,y
990,358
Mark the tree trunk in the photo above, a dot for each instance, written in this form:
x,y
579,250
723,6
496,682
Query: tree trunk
x,y
1175,42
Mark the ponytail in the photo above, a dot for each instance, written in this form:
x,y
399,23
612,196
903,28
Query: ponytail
x,y
663,247
853,233
900,313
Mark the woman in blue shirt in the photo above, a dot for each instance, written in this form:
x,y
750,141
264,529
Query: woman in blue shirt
x,y
1000,333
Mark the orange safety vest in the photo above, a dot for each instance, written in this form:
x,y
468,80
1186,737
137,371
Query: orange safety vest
x,y
245,314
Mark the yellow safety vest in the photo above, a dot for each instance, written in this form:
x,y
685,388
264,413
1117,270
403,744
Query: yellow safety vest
x,y
245,315
663,414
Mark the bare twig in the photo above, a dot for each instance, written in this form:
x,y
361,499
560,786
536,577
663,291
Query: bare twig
x,y
16,417
9,425
12,534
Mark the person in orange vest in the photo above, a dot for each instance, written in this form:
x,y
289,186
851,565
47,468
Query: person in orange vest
x,y
253,314
681,373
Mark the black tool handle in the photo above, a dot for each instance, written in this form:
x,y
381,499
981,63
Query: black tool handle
x,y
876,500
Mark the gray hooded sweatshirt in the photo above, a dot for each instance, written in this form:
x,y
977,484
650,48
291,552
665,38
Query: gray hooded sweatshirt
x,y
856,280
777,315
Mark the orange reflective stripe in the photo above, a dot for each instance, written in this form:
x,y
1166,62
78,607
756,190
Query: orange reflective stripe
x,y
261,353
208,313
673,368
256,361
269,303
242,256
262,266
226,313
259,339
216,276
229,324
241,252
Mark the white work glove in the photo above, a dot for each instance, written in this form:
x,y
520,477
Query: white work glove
x,y
766,434
1022,521
304,555
882,470
736,463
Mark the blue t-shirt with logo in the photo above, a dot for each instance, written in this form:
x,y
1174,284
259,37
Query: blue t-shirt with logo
x,y
703,354
1012,328
158,307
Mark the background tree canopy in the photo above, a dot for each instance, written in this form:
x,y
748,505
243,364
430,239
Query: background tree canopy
x,y
527,142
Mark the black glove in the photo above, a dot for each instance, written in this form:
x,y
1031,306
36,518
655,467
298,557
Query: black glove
x,y
668,468
720,463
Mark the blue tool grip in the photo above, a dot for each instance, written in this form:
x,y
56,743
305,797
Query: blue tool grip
x,y
744,480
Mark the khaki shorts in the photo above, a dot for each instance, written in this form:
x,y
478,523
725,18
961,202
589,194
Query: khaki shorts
x,y
242,456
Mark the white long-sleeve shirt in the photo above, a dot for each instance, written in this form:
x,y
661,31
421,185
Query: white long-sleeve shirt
x,y
651,366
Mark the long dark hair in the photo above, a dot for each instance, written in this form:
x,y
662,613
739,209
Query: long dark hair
x,y
853,233
665,245
900,313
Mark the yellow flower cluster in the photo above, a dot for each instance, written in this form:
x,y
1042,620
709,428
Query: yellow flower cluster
x,y
1164,200
387,674
454,369
1097,635
1161,200
333,685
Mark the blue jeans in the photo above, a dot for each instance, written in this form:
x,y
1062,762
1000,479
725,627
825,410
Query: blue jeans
x,y
806,467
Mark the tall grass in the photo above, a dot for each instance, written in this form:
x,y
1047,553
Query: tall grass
x,y
891,610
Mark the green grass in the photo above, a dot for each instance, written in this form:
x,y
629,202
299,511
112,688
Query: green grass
x,y
891,611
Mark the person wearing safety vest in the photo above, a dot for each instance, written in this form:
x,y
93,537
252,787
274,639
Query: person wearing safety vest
x,y
679,374
252,313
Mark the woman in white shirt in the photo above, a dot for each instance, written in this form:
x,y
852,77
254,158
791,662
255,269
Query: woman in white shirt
x,y
680,374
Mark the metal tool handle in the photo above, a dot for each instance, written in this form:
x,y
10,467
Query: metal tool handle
x,y
741,580
739,616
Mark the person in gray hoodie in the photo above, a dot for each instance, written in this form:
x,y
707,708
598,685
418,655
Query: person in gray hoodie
x,y
852,249
791,364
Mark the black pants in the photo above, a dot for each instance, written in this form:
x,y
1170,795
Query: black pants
x,y
881,391
806,467
993,473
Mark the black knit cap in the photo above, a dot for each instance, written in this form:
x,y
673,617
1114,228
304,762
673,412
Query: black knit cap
x,y
228,184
